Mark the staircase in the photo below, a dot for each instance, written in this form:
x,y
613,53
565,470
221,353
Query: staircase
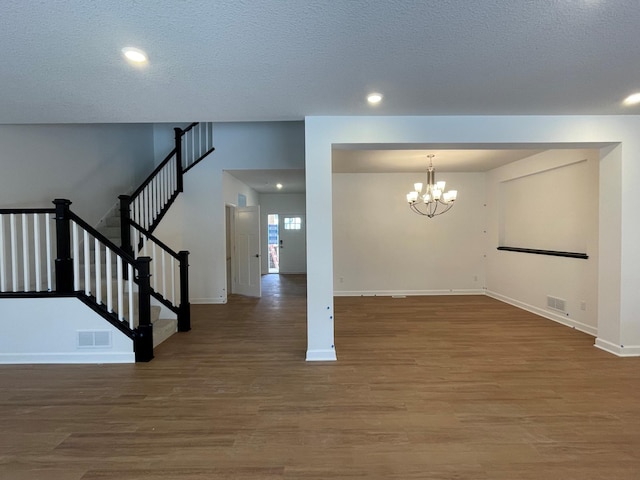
x,y
164,323
120,270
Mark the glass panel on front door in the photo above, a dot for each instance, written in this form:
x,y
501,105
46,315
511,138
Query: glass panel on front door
x,y
274,251
292,223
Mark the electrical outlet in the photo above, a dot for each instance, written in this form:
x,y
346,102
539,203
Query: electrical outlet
x,y
583,305
341,279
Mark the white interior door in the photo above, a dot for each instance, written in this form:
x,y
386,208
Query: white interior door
x,y
247,251
293,244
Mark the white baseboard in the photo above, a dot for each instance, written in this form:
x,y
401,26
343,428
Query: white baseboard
x,y
65,358
619,350
321,355
544,313
406,293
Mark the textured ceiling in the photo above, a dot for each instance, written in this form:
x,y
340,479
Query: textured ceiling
x,y
252,60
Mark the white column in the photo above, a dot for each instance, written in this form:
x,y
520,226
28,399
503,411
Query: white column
x,y
320,321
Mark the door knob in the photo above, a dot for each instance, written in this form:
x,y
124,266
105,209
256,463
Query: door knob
x,y
257,255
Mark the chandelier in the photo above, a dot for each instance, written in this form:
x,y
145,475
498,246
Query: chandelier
x,y
433,200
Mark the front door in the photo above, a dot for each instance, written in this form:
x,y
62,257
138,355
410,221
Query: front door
x,y
247,251
293,240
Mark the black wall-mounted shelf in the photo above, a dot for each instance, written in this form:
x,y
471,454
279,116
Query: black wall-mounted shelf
x,y
553,253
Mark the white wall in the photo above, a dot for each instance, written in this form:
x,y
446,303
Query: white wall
x,y
164,139
525,280
89,164
619,224
232,187
201,221
45,330
283,204
380,247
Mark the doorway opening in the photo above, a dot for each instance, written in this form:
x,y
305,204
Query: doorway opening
x,y
273,243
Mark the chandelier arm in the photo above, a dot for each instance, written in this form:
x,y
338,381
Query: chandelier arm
x,y
447,208
415,207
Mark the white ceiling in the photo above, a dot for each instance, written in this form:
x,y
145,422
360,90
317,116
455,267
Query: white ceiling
x,y
265,181
246,60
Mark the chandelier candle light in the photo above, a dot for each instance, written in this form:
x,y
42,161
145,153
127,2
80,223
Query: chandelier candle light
x,y
434,201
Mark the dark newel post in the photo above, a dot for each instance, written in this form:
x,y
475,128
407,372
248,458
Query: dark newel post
x,y
184,314
144,333
64,262
178,133
125,229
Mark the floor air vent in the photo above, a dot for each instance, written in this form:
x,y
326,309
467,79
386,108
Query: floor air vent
x,y
556,303
94,339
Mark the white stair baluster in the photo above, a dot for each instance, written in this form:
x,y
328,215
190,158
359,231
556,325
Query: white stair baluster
x,y
154,189
183,146
3,272
87,264
152,186
109,279
26,281
193,146
76,258
174,161
14,252
165,185
143,208
152,203
164,275
120,311
154,266
36,251
47,233
162,190
130,291
173,280
149,207
98,264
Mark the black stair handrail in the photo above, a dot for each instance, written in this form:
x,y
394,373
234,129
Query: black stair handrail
x,y
62,267
153,174
142,211
152,199
143,334
182,309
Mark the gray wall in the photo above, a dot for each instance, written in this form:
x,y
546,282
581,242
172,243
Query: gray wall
x,y
89,164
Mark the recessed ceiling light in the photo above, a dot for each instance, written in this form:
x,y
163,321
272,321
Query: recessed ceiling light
x,y
134,55
374,98
633,99
279,186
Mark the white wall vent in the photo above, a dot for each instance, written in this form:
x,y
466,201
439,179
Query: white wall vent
x,y
94,339
556,303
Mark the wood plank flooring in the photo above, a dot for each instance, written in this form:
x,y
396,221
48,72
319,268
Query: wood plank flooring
x,y
424,388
